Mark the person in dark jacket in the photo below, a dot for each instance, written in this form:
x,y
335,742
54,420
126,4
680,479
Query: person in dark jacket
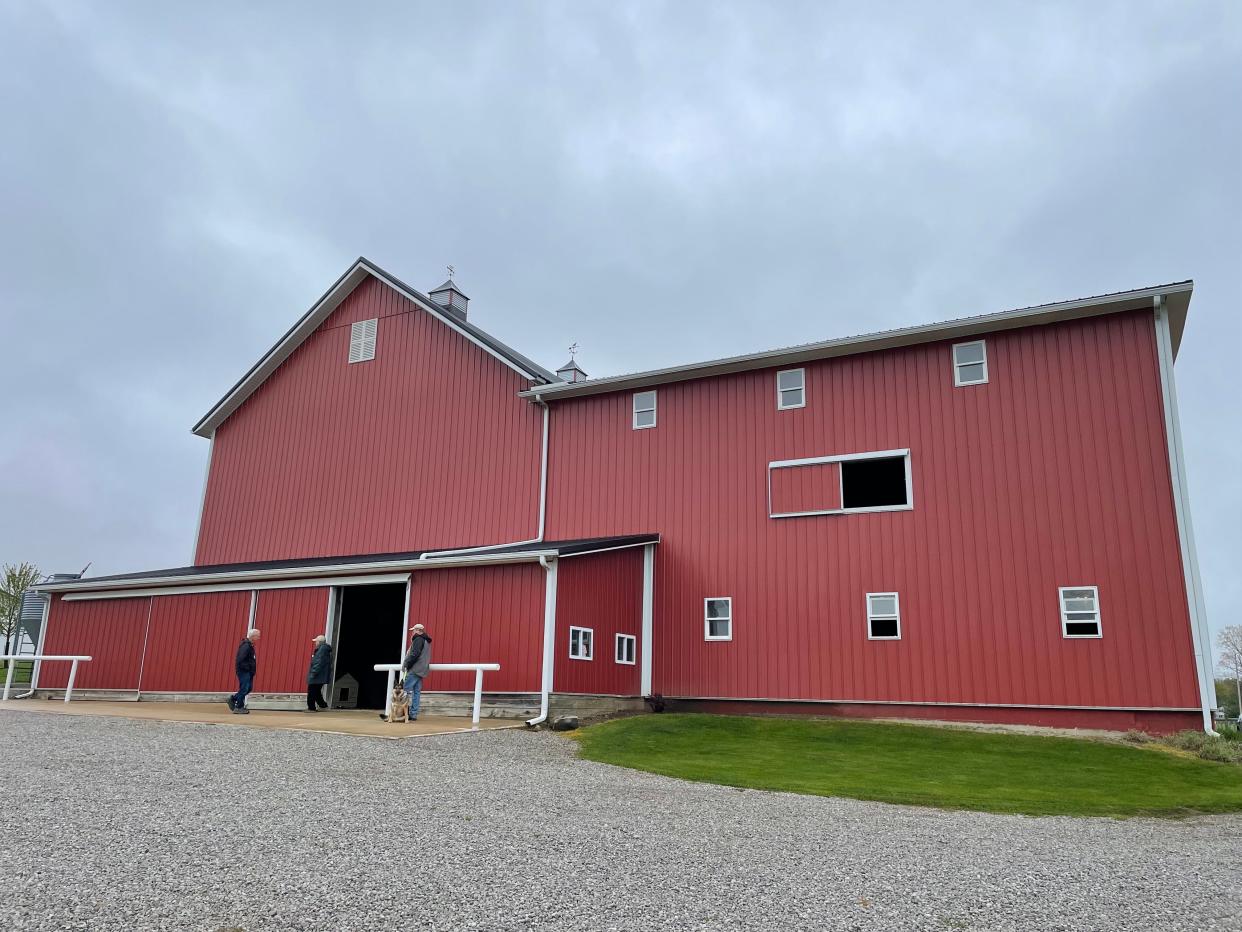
x,y
319,674
244,666
416,665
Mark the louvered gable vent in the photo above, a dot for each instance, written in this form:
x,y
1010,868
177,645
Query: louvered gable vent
x,y
362,340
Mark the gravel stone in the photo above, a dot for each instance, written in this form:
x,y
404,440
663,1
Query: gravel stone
x,y
141,825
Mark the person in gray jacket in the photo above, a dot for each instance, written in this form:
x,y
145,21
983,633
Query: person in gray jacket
x,y
319,674
415,666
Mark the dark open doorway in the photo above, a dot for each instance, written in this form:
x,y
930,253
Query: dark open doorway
x,y
369,631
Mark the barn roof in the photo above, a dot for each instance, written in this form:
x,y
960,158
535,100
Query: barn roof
x,y
349,564
357,273
1175,294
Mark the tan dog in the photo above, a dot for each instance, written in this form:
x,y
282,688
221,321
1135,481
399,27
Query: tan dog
x,y
400,706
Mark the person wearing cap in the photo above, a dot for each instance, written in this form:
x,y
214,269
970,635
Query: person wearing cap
x,y
415,666
320,673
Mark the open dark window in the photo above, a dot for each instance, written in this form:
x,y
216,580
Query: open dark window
x,y
874,483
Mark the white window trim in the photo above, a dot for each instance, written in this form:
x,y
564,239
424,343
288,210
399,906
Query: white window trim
x,y
707,626
655,403
780,406
957,366
359,340
895,616
591,643
845,457
1066,620
633,651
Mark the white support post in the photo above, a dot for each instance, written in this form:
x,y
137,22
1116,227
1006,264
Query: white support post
x,y
8,677
478,697
648,590
73,675
388,693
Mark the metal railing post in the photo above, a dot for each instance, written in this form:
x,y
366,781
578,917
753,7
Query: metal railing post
x,y
8,678
478,697
73,674
388,695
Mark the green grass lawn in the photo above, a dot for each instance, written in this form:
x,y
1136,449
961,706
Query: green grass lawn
x,y
950,768
21,672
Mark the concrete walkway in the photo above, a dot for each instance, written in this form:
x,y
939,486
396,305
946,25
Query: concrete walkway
x,y
365,723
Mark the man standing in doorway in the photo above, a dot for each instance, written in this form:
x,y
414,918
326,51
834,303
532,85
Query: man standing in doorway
x,y
415,666
244,666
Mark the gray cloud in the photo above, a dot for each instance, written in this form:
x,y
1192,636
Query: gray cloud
x,y
659,182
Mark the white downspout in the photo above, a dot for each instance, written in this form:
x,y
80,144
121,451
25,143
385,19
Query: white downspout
x,y
549,640
543,501
1199,633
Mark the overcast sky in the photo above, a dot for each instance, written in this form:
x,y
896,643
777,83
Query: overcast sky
x,y
658,182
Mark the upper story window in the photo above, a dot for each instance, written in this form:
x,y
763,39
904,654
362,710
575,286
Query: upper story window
x,y
883,616
833,485
718,619
790,389
581,643
970,363
362,340
644,410
625,648
1080,612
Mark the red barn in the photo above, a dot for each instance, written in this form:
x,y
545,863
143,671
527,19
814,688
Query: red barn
x,y
983,519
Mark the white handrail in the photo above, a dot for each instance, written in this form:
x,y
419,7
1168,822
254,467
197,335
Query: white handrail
x,y
73,670
478,669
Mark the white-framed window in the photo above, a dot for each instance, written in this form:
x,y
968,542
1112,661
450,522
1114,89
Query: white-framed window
x,y
841,484
790,389
581,643
1080,612
362,340
883,616
644,410
970,363
626,648
718,618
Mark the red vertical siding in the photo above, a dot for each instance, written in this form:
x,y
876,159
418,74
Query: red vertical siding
x,y
603,592
193,641
111,631
1055,473
483,615
287,620
426,446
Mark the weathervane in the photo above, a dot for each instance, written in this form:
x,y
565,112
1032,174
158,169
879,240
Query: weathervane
x,y
451,271
573,351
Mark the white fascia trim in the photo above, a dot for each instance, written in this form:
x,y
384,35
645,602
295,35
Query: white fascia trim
x,y
587,553
253,587
962,705
202,499
1199,634
321,310
1138,299
344,570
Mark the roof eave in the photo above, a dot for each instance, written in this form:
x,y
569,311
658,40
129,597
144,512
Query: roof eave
x,y
1177,298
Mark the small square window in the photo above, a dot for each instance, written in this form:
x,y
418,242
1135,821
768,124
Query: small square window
x,y
581,642
791,389
1080,612
883,616
362,340
644,410
625,648
970,363
718,619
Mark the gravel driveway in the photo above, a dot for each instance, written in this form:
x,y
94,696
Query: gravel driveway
x,y
140,825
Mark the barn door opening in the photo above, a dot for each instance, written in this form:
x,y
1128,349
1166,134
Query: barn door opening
x,y
370,626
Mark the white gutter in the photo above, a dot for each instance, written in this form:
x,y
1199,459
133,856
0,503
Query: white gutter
x,y
549,641
1199,633
543,500
347,571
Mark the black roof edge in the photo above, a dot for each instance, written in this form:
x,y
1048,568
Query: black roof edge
x,y
563,548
